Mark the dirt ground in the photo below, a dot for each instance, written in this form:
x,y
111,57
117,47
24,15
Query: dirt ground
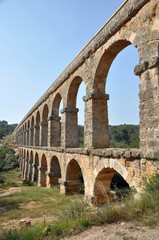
x,y
118,231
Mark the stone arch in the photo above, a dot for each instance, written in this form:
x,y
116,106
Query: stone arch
x,y
56,105
123,87
105,63
74,178
72,92
70,113
103,175
32,131
99,97
44,125
55,171
55,122
36,168
27,133
43,171
23,134
37,129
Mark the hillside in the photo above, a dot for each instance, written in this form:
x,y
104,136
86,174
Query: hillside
x,y
6,128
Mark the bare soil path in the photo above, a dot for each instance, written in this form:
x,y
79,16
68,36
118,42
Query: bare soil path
x,y
118,231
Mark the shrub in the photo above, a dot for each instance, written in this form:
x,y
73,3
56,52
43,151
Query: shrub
x,y
8,160
152,185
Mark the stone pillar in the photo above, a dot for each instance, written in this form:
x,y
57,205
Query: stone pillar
x,y
23,166
148,70
53,179
43,180
36,138
48,179
33,172
39,176
54,131
96,132
43,134
31,136
30,171
24,138
69,186
27,137
25,176
69,128
21,163
62,184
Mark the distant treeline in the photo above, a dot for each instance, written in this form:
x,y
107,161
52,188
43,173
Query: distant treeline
x,y
121,136
6,128
124,136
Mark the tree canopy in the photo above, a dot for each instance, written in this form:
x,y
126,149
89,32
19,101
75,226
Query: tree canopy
x,y
6,128
121,136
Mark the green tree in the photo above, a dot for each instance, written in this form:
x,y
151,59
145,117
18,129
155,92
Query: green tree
x,y
6,128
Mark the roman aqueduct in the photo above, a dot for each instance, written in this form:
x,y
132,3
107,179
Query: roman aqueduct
x,y
48,143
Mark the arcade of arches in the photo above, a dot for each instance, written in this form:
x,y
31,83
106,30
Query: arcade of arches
x,y
47,137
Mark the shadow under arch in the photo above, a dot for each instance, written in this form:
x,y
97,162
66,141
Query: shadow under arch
x,y
32,131
27,134
110,176
55,123
55,172
37,129
36,170
74,178
44,137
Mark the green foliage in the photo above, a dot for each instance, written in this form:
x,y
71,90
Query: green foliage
x,y
28,183
81,135
76,216
121,136
6,128
84,222
2,180
152,185
8,160
124,136
25,234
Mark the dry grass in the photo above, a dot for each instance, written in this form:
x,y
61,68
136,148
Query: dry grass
x,y
69,214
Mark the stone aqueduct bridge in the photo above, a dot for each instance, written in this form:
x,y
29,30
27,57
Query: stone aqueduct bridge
x,y
48,143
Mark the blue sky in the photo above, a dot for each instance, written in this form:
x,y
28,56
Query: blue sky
x,y
39,38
